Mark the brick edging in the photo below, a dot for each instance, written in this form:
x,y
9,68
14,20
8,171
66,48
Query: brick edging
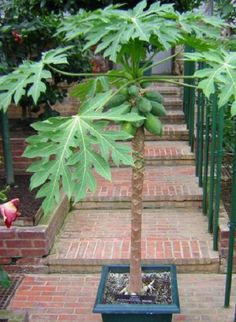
x,y
223,241
27,245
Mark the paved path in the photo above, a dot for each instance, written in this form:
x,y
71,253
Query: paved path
x,y
92,238
67,298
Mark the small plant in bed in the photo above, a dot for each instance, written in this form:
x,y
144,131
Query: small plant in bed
x,y
29,204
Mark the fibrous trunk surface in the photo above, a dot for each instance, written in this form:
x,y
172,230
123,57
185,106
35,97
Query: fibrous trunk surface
x,y
136,211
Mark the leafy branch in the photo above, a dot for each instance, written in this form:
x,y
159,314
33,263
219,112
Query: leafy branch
x,y
219,75
29,78
68,150
159,26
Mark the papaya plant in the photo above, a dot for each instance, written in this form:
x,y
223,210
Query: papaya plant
x,y
71,149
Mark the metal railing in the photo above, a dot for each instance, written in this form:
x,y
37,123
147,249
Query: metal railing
x,y
205,122
7,155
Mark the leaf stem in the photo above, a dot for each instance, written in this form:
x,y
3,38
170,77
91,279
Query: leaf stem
x,y
160,61
148,78
84,74
177,83
150,59
117,91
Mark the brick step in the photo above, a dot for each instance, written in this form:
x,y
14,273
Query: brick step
x,y
173,102
91,238
166,90
171,132
168,153
173,117
164,186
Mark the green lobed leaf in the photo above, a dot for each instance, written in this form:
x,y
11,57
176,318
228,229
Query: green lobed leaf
x,y
159,25
30,78
89,87
72,149
233,109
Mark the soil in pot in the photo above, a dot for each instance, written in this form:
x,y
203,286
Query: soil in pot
x,y
156,289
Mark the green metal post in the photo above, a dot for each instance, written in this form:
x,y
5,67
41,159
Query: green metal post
x,y
189,68
186,93
206,159
192,110
219,156
212,162
232,226
201,137
198,134
8,163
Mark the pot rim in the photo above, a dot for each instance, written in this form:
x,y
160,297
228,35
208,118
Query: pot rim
x,y
137,308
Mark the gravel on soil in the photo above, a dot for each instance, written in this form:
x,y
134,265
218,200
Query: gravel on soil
x,y
157,285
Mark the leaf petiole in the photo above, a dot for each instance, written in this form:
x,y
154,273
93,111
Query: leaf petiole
x,y
160,61
85,74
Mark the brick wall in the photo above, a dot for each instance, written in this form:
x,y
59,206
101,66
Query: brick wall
x,y
69,106
20,163
223,245
18,144
25,246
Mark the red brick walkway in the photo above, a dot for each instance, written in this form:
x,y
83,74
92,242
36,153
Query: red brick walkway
x,y
166,184
71,297
172,150
95,237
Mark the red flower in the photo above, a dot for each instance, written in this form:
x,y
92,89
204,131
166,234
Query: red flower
x,y
10,211
17,37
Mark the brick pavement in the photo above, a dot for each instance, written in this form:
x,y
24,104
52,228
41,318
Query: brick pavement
x,y
169,153
67,298
173,116
91,238
162,183
171,132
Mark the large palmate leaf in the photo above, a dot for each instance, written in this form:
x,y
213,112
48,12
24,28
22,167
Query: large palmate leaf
x,y
71,149
29,78
89,87
220,75
159,25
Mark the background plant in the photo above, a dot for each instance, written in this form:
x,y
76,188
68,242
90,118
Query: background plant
x,y
27,29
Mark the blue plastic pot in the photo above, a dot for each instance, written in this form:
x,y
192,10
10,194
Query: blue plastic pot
x,y
137,312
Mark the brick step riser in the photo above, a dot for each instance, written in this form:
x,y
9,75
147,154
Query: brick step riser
x,y
168,137
168,91
166,161
173,105
170,119
165,204
21,168
95,267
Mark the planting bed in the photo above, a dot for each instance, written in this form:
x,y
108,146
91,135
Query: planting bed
x,y
29,205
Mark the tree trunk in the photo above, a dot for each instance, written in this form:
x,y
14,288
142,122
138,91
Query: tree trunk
x,y
135,284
